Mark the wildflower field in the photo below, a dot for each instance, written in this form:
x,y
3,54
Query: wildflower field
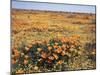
x,y
48,41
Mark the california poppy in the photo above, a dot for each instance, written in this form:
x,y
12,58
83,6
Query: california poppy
x,y
43,55
17,54
72,46
49,48
25,62
60,62
63,53
49,61
51,57
55,56
30,45
76,36
13,61
64,40
33,42
55,46
64,47
67,46
15,50
59,50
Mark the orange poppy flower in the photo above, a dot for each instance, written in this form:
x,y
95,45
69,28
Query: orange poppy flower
x,y
63,53
67,46
59,50
17,54
43,55
60,62
55,56
72,41
64,46
30,45
49,61
49,48
76,43
15,50
51,57
33,42
25,62
55,46
76,36
72,46
64,39
13,61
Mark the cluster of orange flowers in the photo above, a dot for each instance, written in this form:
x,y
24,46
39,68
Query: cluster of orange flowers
x,y
47,54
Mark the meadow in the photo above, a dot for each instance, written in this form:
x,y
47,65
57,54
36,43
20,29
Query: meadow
x,y
52,41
